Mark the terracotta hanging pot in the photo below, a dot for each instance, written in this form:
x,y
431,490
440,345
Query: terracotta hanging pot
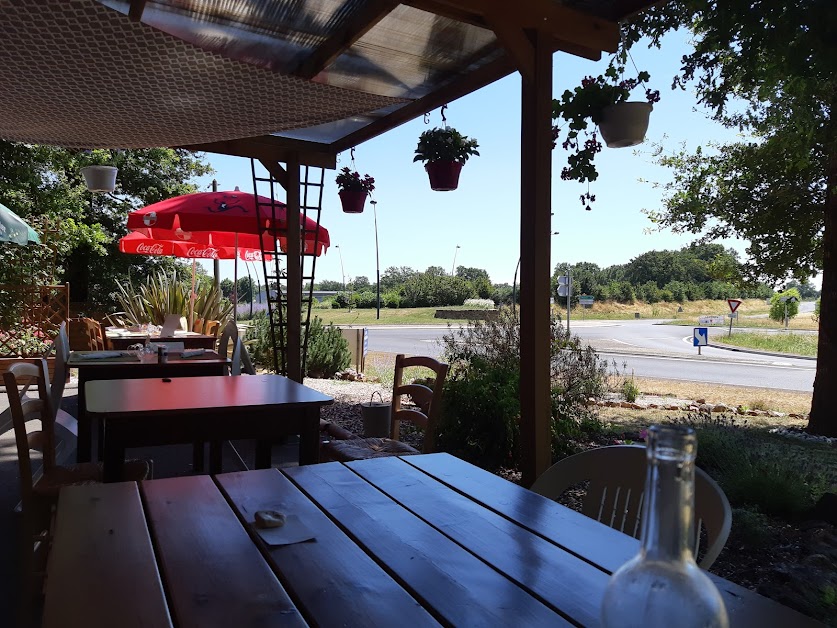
x,y
444,175
624,124
99,178
353,200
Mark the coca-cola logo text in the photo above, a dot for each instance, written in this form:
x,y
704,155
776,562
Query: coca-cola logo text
x,y
204,253
150,249
252,256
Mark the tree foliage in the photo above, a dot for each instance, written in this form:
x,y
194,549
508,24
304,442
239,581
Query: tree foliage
x,y
765,68
44,185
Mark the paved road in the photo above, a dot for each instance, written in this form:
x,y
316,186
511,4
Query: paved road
x,y
647,349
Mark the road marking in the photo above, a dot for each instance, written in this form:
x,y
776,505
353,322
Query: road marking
x,y
781,364
622,342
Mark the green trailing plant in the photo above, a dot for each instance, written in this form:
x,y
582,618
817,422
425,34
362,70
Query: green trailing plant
x,y
351,180
582,106
445,144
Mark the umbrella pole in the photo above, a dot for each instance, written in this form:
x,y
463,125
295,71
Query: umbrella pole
x,y
235,281
192,298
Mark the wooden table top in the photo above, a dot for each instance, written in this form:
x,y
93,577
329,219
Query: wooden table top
x,y
127,397
420,540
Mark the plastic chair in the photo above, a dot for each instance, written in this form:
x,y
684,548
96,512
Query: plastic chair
x,y
429,402
39,491
614,495
228,335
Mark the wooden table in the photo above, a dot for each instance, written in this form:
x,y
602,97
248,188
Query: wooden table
x,y
131,366
411,541
145,412
119,341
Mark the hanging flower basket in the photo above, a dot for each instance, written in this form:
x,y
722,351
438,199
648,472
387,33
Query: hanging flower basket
x,y
624,124
353,200
353,189
443,175
100,178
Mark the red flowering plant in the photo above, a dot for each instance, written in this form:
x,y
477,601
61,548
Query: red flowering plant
x,y
350,180
583,105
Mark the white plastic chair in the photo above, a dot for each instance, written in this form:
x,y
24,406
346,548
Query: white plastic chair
x,y
614,495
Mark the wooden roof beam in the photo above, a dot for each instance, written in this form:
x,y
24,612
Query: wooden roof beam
x,y
135,9
356,27
561,22
272,148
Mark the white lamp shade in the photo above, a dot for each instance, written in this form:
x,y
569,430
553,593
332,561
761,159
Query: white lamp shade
x,y
100,178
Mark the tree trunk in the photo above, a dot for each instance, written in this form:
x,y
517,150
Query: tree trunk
x,y
823,420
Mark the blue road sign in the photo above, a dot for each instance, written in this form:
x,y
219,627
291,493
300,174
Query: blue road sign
x,y
700,337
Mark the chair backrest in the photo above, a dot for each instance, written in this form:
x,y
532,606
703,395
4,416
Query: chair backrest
x,y
614,495
59,377
428,400
241,362
211,328
24,409
197,326
228,336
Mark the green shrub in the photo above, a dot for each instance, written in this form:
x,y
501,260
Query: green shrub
x,y
328,350
750,528
816,314
325,304
777,306
481,414
160,295
756,470
630,391
391,299
367,299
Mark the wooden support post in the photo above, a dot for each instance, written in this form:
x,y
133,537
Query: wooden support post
x,y
535,242
294,272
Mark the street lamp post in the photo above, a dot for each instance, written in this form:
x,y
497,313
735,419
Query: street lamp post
x,y
342,271
377,258
453,266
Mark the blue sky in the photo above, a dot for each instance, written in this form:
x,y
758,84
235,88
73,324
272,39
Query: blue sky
x,y
419,228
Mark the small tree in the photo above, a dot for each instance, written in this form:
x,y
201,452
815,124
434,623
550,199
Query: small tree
x,y
777,305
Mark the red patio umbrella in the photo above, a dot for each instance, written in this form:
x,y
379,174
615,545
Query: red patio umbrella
x,y
227,212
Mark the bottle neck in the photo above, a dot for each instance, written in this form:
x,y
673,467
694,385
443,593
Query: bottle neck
x,y
668,509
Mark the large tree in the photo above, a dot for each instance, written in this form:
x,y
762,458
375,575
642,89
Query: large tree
x,y
44,185
766,68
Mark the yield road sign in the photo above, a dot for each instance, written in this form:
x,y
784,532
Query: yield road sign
x,y
733,304
700,338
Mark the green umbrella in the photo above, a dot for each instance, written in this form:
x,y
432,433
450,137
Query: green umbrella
x,y
13,229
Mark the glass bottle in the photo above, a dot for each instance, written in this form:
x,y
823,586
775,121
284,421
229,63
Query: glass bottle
x,y
663,585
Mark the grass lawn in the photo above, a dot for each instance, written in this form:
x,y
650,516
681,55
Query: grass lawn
x,y
366,317
796,344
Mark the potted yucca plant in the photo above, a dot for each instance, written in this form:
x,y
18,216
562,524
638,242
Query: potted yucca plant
x,y
602,101
353,189
444,151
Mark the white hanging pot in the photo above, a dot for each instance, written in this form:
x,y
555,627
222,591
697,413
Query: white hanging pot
x,y
100,178
624,124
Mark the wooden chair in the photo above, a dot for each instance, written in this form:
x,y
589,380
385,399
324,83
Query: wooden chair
x,y
429,402
85,334
39,487
211,328
614,495
197,326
